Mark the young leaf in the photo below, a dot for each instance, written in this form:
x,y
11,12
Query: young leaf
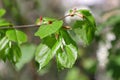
x,y
16,36
14,53
9,50
42,54
4,52
67,54
4,48
86,33
68,40
3,42
78,24
85,28
67,57
46,30
87,15
46,52
2,12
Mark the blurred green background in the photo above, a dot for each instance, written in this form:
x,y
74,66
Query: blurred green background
x,y
98,61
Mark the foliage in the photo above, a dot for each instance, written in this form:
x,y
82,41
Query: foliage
x,y
56,42
85,28
46,30
10,41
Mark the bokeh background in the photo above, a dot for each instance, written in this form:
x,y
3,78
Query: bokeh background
x,y
98,61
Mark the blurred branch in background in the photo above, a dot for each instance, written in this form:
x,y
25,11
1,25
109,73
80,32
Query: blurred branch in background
x,y
107,14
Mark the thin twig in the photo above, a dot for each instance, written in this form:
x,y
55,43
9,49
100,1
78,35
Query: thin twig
x,y
21,26
64,17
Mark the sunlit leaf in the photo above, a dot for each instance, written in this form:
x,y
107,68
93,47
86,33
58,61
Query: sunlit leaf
x,y
47,19
14,53
67,54
85,28
16,36
4,48
46,30
3,42
45,52
88,15
67,57
68,40
9,50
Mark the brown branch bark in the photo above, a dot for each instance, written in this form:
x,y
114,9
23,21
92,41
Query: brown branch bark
x,y
21,26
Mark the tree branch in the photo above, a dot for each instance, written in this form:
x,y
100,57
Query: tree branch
x,y
64,17
32,25
21,26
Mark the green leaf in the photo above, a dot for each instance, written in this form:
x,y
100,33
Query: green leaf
x,y
45,52
85,28
16,36
3,42
49,41
4,48
2,12
14,53
67,38
88,15
86,33
9,50
67,57
46,19
4,52
67,54
42,54
46,30
78,24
